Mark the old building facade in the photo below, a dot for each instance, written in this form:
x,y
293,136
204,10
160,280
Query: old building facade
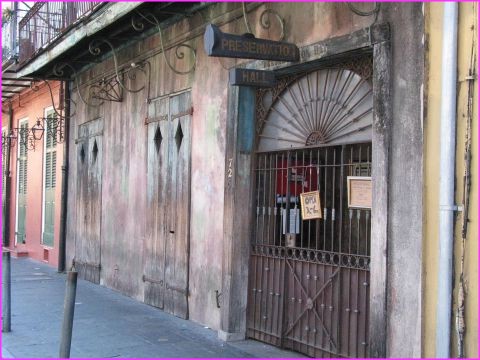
x,y
184,191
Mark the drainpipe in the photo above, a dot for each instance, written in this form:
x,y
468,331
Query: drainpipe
x,y
63,206
447,179
8,182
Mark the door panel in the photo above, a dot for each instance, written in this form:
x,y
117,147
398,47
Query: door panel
x,y
89,202
176,266
157,195
168,198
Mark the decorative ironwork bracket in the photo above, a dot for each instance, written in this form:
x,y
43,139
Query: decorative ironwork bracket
x,y
109,88
265,21
24,136
54,127
94,49
58,112
179,54
375,11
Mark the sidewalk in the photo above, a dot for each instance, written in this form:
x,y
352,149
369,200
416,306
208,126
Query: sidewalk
x,y
106,324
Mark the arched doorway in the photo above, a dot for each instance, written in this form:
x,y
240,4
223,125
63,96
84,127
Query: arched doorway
x,y
309,279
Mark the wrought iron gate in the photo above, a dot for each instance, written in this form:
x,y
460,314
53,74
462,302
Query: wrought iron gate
x,y
308,279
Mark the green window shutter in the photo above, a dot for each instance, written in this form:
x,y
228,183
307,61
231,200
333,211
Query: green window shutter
x,y
50,179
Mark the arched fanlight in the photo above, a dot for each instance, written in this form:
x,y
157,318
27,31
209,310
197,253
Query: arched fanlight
x,y
325,107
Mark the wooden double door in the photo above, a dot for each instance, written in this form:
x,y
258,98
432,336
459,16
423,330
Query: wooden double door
x,y
166,247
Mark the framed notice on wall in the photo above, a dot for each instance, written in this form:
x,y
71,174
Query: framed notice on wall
x,y
359,192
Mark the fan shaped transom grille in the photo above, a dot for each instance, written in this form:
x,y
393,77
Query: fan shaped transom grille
x,y
329,106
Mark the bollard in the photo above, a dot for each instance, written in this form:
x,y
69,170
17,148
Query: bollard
x,y
68,311
6,294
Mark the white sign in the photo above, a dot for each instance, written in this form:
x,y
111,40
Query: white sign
x,y
311,207
294,221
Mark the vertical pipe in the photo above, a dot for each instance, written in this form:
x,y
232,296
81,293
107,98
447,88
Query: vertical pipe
x,y
6,292
63,206
447,179
8,182
68,312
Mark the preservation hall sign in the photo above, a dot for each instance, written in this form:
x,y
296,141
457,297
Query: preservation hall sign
x,y
248,77
220,44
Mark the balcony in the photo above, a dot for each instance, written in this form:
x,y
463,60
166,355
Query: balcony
x,y
46,21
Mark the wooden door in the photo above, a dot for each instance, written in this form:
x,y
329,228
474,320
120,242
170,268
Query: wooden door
x,y
22,170
157,172
168,201
49,182
89,200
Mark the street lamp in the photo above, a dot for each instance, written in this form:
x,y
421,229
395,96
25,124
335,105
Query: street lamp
x,y
38,130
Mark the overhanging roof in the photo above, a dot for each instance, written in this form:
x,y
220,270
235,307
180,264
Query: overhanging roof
x,y
112,21
94,24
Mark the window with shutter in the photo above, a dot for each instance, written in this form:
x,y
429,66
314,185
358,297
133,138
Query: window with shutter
x,y
50,179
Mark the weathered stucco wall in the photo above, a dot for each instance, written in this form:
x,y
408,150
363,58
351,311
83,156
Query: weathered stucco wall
x,y
124,147
405,180
32,105
467,33
124,144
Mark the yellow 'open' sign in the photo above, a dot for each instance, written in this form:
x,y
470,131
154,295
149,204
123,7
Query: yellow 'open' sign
x,y
311,207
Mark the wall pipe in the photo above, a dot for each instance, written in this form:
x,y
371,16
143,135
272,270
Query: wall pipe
x,y
63,207
8,182
447,179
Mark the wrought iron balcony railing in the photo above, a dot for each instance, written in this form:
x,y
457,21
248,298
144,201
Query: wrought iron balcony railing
x,y
46,21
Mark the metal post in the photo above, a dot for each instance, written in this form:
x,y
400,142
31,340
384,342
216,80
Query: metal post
x,y
6,294
63,206
68,312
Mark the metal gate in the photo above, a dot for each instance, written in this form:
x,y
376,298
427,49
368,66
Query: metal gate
x,y
308,279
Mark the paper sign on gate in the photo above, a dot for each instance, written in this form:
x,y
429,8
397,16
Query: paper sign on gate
x,y
311,207
359,192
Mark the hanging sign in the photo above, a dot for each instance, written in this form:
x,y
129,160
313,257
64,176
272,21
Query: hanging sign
x,y
311,207
246,46
359,192
248,77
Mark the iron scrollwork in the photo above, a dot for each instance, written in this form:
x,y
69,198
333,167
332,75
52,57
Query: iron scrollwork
x,y
54,127
179,53
23,136
58,112
94,49
265,21
109,88
58,70
374,11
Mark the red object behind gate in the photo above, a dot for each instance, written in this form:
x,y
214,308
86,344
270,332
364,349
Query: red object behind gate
x,y
303,178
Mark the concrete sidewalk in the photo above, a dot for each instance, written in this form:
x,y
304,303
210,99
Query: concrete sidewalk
x,y
107,324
